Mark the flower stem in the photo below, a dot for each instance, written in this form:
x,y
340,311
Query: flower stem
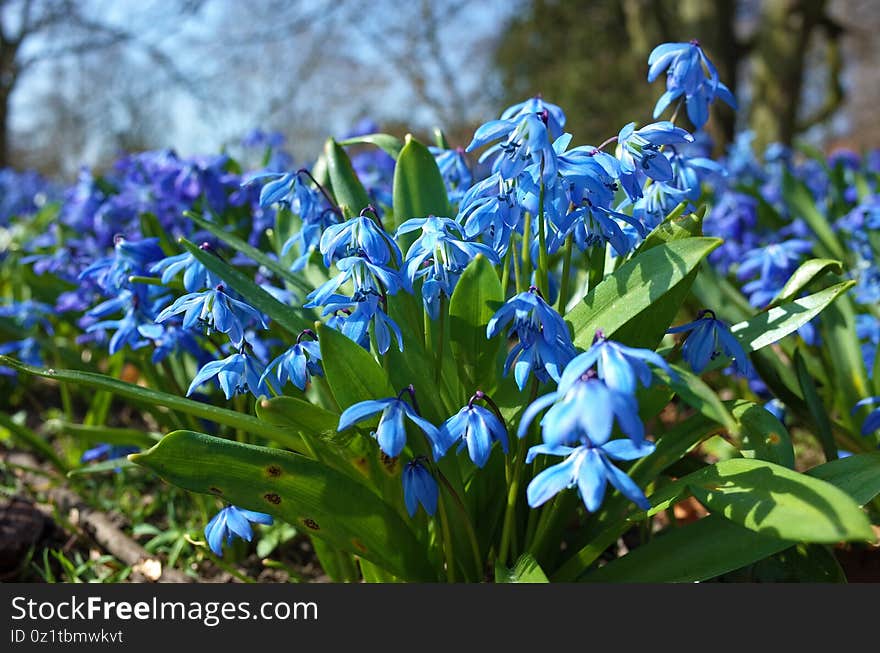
x,y
524,276
468,523
543,263
441,336
565,286
447,540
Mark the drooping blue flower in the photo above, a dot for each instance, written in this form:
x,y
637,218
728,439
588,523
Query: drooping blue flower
x,y
640,148
237,373
589,468
232,522
687,77
130,257
359,236
453,166
196,276
583,408
391,431
419,487
367,278
438,257
490,209
368,316
872,421
709,338
298,364
168,339
544,346
774,264
214,310
476,428
617,365
27,350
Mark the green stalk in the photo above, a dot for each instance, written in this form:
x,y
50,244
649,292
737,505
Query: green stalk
x,y
505,271
543,263
438,364
565,286
526,263
468,524
447,541
597,265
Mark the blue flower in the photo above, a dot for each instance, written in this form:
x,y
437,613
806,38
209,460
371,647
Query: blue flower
x,y
454,169
298,364
640,148
438,257
476,428
214,309
583,408
617,365
391,432
367,278
359,236
710,337
107,452
774,264
687,77
232,522
368,317
130,257
236,374
589,468
544,345
490,209
196,276
27,350
872,421
419,487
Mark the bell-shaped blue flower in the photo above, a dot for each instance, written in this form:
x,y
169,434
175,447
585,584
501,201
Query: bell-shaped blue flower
x,y
196,276
214,310
232,522
237,373
419,487
589,468
708,338
391,431
640,148
297,365
617,365
360,235
476,428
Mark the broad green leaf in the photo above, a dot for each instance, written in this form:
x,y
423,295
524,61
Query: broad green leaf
x,y
525,570
347,188
291,319
418,188
802,563
763,436
352,373
153,397
325,503
857,475
303,416
808,272
774,324
776,501
636,287
841,344
696,393
802,205
250,251
817,410
476,298
675,226
391,145
695,552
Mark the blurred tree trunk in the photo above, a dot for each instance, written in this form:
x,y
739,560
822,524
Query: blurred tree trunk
x,y
779,60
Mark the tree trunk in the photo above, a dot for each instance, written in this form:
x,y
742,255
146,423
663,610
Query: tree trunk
x,y
778,68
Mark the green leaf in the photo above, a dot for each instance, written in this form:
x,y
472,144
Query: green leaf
x,y
675,226
303,416
698,551
391,145
696,393
635,287
808,272
418,188
296,489
102,467
857,475
525,570
347,188
290,319
774,324
801,203
476,298
153,397
816,408
250,251
764,437
775,501
352,373
802,563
